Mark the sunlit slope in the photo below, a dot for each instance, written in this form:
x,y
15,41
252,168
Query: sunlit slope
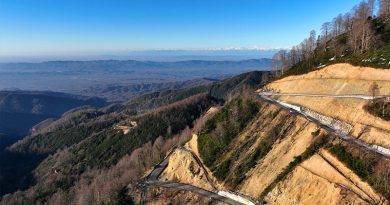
x,y
276,159
337,79
341,79
322,178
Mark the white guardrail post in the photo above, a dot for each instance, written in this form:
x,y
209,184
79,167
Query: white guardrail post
x,y
235,197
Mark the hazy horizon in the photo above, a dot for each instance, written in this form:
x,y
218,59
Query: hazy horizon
x,y
84,28
150,55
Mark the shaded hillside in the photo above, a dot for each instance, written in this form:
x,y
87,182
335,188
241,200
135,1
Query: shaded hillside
x,y
5,140
84,145
220,90
21,110
116,92
43,103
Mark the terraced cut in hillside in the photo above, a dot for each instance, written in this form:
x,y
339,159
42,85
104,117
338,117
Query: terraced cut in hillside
x,y
337,79
293,135
322,178
264,150
269,153
279,158
341,79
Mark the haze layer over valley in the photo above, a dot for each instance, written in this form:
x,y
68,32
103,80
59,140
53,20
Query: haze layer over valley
x,y
123,78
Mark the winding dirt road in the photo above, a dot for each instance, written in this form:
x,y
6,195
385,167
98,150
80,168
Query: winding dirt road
x,y
153,180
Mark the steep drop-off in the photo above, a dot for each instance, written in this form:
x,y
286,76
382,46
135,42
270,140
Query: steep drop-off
x,y
344,80
279,158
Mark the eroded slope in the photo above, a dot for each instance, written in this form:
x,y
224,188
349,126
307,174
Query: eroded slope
x,y
279,158
341,79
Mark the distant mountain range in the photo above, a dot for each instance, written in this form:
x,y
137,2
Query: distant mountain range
x,y
77,76
115,93
216,54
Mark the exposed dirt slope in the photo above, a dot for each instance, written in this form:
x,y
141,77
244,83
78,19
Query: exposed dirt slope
x,y
322,180
261,154
297,137
342,79
313,181
304,187
184,168
336,79
193,144
367,127
265,148
352,180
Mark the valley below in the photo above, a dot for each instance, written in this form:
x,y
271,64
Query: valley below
x,y
119,80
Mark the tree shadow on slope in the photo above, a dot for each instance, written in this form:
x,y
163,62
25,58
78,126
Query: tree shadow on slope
x,y
16,170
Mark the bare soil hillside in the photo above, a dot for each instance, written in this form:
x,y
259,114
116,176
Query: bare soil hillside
x,y
342,79
337,79
184,168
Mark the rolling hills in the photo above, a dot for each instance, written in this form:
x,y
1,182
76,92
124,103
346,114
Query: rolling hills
x,y
21,110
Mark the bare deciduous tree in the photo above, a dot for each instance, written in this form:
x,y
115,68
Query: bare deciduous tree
x,y
347,22
326,29
312,41
371,4
384,8
361,36
280,61
338,25
374,90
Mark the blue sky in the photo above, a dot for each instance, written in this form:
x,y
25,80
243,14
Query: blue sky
x,y
44,27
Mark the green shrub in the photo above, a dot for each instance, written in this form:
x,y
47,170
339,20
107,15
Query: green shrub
x,y
260,152
361,167
379,108
221,171
365,167
219,131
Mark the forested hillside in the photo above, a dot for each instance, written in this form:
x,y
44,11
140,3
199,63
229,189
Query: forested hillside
x,y
84,159
21,110
360,37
